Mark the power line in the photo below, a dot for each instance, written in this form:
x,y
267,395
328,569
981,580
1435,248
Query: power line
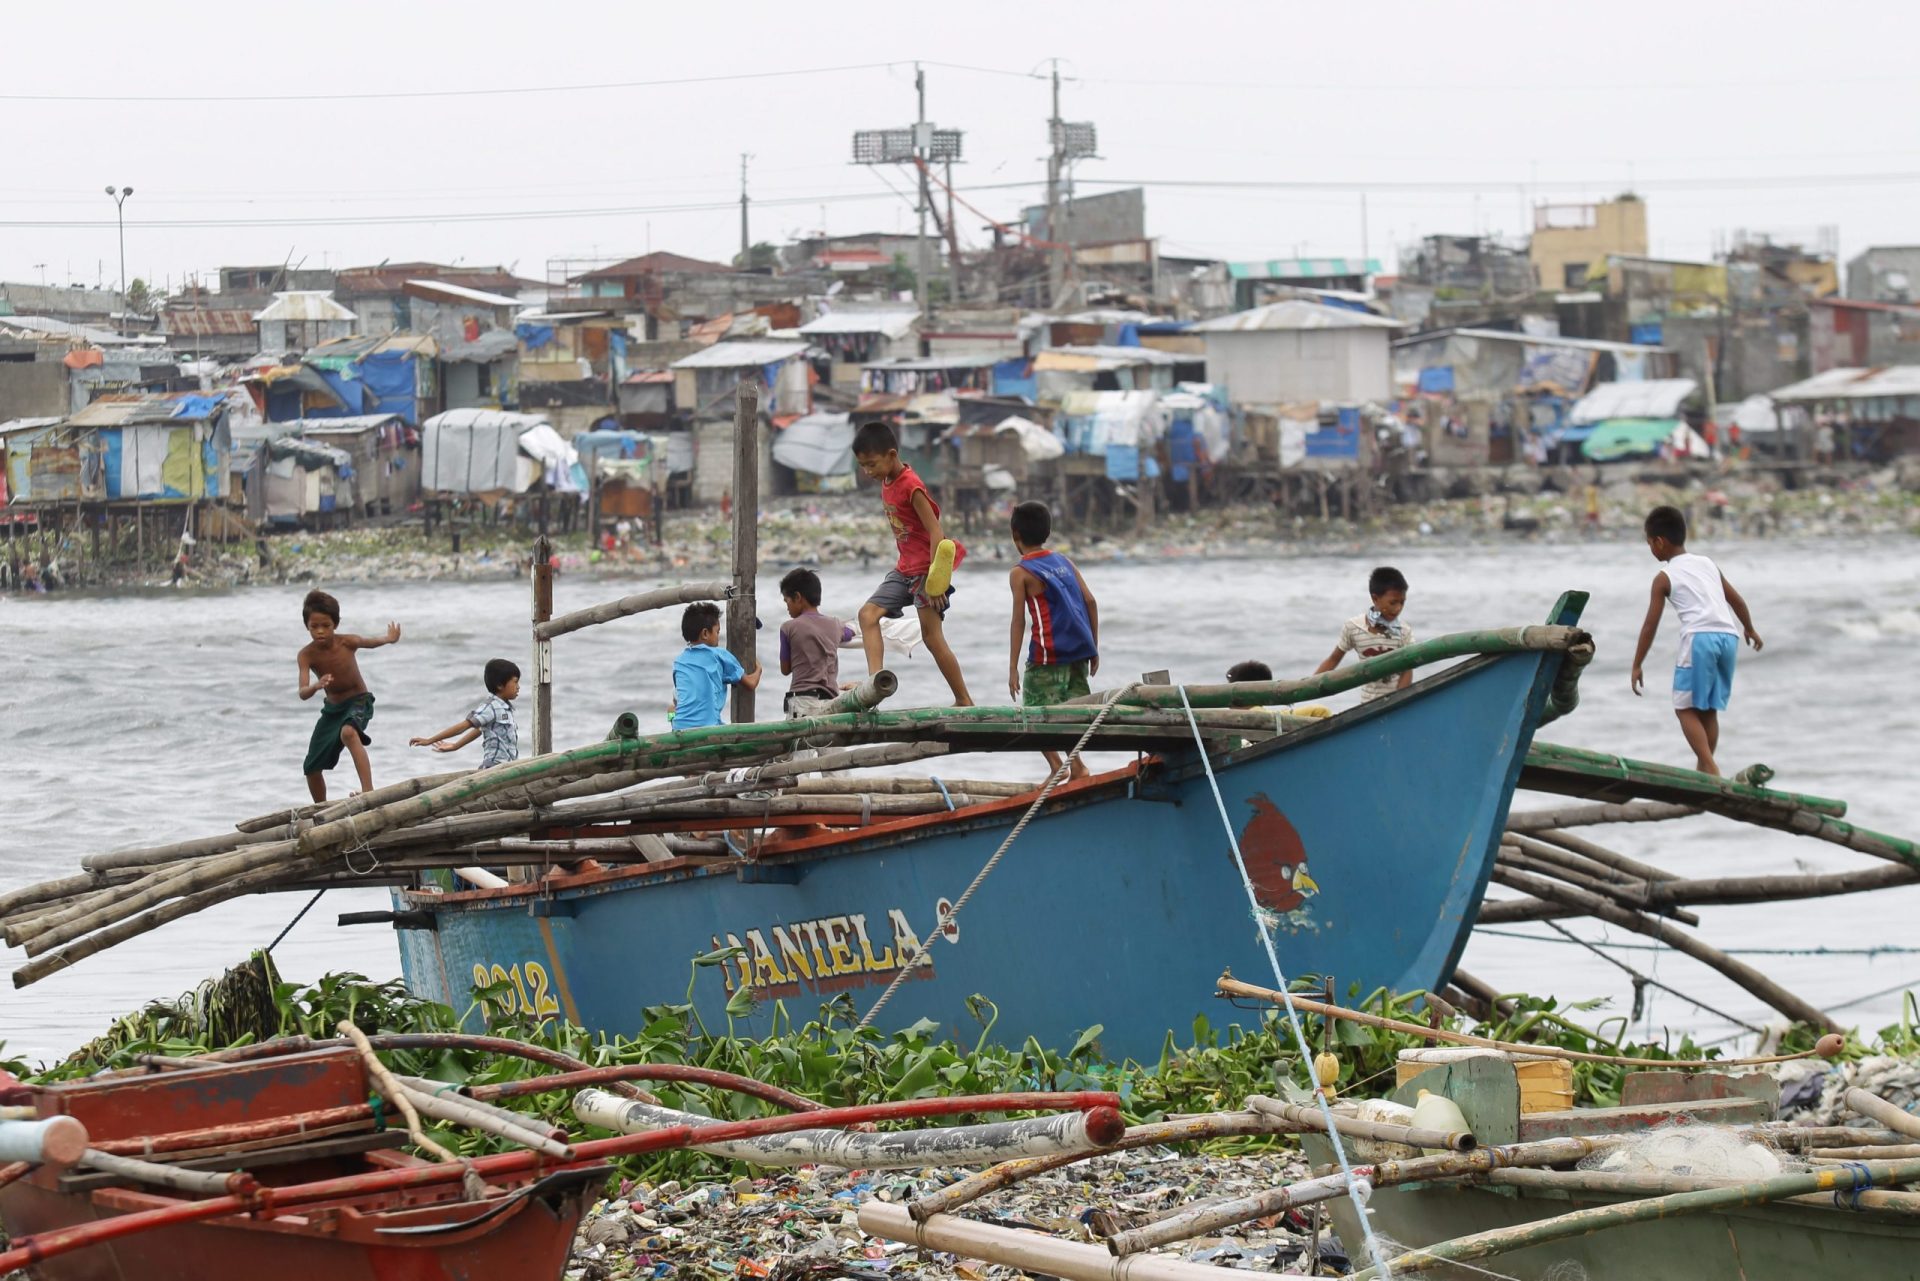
x,y
1507,185
388,95
478,216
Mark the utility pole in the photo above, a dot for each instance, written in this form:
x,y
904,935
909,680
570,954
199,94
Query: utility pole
x,y
746,243
120,213
1056,138
921,149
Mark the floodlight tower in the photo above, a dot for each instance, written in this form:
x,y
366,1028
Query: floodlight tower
x,y
919,145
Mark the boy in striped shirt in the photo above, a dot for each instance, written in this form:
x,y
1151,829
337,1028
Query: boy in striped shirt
x,y
1065,650
492,722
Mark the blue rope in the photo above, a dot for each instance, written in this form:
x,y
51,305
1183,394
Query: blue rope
x,y
1849,1198
1261,918
944,794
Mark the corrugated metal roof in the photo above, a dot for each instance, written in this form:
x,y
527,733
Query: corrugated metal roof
x,y
928,363
1654,398
888,324
207,323
343,426
740,355
1854,384
1295,314
304,305
1533,340
462,293
1093,359
64,329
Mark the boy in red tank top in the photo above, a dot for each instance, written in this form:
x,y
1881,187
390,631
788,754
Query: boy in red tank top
x,y
915,519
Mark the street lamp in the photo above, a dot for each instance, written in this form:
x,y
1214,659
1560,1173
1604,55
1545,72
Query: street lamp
x,y
120,212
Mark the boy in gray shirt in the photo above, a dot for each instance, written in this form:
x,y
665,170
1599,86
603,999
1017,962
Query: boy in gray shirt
x,y
809,642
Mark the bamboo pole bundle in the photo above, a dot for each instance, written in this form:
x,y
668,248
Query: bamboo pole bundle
x,y
1632,896
1794,1007
1718,890
1576,1182
1594,815
1593,851
1506,640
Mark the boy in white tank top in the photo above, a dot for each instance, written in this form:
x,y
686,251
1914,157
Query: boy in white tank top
x,y
1713,618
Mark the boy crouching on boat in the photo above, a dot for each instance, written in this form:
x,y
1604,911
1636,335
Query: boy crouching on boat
x,y
327,663
1376,632
1713,618
492,722
703,670
1065,649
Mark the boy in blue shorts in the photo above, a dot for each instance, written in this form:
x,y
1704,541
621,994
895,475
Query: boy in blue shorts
x,y
1713,618
704,670
1065,650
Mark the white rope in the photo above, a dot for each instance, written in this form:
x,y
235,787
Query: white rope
x,y
939,932
1357,1189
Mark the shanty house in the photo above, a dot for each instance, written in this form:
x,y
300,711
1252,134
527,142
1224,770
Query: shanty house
x,y
230,333
1874,413
145,448
1296,351
383,453
856,336
491,451
704,384
1061,371
301,319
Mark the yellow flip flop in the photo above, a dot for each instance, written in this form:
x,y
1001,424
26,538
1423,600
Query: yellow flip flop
x,y
940,573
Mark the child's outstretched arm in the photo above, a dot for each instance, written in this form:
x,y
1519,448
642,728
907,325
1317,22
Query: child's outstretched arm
x,y
375,642
1331,661
1661,586
438,742
1739,604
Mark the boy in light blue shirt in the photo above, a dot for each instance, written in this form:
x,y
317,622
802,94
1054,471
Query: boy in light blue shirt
x,y
703,670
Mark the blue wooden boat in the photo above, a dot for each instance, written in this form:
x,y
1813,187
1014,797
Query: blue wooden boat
x,y
1369,836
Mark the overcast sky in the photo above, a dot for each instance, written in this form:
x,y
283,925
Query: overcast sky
x,y
1450,117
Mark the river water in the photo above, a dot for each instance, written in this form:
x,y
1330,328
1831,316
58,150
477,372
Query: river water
x,y
148,717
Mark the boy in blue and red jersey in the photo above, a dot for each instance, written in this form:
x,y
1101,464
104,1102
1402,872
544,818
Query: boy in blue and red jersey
x,y
1065,649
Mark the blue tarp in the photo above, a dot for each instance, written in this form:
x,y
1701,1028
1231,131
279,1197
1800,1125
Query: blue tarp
x,y
1129,336
1015,378
1437,378
347,387
389,379
1649,334
196,406
534,337
1123,462
1339,441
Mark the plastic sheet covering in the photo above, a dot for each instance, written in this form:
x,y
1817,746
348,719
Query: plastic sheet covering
x,y
473,451
680,453
389,380
1036,441
819,443
559,461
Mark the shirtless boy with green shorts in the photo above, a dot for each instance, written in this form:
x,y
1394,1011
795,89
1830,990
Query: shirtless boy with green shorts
x,y
328,664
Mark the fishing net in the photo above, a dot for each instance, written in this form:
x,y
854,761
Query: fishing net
x,y
1706,1151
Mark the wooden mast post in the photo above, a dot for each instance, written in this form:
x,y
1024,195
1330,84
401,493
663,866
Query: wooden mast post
x,y
746,539
542,646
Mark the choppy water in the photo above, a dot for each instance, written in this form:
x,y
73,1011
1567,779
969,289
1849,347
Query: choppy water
x,y
143,718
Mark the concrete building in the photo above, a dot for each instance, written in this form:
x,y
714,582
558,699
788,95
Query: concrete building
x,y
1105,219
383,298
1294,352
1885,273
1571,242
295,321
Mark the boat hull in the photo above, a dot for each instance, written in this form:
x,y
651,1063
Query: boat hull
x,y
1370,837
1761,1243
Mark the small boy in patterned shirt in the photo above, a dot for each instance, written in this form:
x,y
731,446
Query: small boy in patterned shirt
x,y
491,722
